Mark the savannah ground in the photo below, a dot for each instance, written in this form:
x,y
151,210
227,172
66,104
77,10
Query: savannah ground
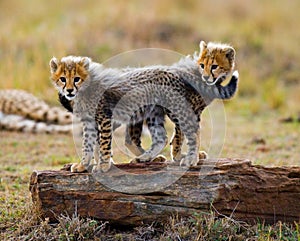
x,y
266,37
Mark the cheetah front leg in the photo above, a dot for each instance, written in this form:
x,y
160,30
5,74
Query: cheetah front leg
x,y
191,130
176,146
88,143
193,154
103,164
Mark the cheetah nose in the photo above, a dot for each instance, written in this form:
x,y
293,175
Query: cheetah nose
x,y
205,77
70,91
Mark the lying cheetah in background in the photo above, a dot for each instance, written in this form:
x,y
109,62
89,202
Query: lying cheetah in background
x,y
100,92
21,111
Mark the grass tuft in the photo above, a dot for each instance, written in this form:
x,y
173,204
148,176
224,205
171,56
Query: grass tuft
x,y
29,225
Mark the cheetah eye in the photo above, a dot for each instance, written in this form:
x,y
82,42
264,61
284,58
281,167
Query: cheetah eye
x,y
202,66
63,79
214,66
76,79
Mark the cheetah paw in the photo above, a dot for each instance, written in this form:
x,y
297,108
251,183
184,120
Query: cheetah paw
x,y
134,161
189,161
142,158
78,167
102,167
177,158
203,155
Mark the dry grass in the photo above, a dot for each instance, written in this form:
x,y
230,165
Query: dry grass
x,y
266,39
200,227
262,33
22,153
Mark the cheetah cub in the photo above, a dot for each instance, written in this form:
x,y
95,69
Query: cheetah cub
x,y
180,91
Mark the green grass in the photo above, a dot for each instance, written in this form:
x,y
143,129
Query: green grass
x,y
265,37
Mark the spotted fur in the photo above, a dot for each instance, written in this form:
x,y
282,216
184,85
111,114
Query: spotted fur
x,y
22,124
124,96
64,74
22,111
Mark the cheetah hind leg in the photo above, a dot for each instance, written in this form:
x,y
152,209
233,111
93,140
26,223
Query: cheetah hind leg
x,y
152,154
133,138
159,137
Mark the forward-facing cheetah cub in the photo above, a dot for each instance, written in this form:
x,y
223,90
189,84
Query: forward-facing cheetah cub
x,y
131,96
70,75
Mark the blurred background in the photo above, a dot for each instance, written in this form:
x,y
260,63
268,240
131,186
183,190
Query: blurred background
x,y
264,33
262,121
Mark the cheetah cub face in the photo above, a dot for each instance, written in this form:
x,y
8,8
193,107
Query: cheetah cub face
x,y
69,74
216,62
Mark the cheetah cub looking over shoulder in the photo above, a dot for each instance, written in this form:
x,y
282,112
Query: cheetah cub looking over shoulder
x,y
216,62
180,91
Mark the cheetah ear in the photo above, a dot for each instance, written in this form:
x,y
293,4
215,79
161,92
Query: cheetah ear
x,y
53,64
85,62
202,46
230,53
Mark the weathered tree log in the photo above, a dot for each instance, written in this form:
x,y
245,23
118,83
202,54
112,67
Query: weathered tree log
x,y
133,194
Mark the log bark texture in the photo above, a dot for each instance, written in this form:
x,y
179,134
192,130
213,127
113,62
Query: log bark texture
x,y
133,194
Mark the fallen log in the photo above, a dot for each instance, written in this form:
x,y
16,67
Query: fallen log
x,y
133,194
